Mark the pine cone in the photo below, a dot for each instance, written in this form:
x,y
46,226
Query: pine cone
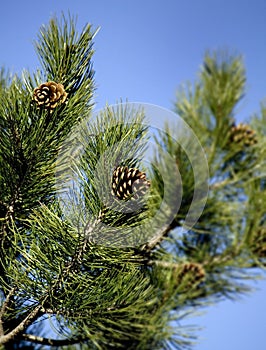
x,y
259,243
190,274
129,183
49,95
242,134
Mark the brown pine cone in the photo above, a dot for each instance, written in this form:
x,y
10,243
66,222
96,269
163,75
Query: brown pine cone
x,y
129,183
242,134
259,243
49,95
190,274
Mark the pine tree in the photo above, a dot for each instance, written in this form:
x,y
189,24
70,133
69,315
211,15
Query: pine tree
x,y
98,261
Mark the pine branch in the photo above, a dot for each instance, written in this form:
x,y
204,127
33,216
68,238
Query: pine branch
x,y
62,258
33,315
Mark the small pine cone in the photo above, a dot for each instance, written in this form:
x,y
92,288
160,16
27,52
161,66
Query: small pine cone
x,y
242,134
259,243
129,183
49,95
190,274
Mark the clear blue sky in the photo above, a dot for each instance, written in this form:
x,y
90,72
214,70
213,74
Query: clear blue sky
x,y
144,50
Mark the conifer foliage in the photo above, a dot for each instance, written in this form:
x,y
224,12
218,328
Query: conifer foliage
x,y
98,270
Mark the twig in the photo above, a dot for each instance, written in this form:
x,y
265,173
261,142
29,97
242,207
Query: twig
x,y
52,342
166,264
158,237
22,326
9,216
48,311
3,309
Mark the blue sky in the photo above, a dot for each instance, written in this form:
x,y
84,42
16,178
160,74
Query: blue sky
x,y
144,50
